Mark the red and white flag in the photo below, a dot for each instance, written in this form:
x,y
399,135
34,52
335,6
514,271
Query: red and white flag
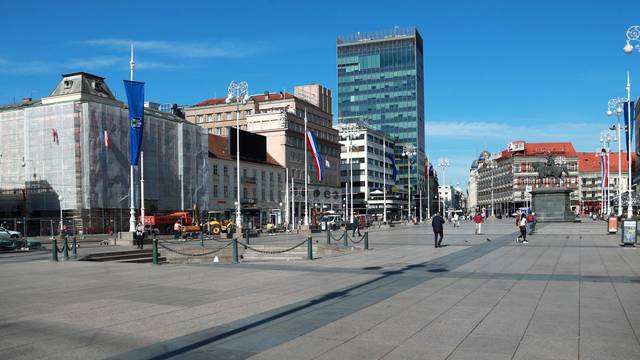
x,y
107,139
54,134
605,175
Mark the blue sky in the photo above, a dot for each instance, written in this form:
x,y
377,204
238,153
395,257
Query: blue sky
x,y
495,71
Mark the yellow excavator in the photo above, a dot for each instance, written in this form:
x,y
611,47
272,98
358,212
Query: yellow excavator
x,y
217,223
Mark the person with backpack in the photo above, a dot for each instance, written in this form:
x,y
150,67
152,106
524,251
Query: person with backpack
x,y
522,225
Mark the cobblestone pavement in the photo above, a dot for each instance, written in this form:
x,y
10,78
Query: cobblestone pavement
x,y
571,293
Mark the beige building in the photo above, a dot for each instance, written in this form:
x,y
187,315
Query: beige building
x,y
280,118
262,185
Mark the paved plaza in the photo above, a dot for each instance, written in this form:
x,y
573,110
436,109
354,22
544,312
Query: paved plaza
x,y
571,293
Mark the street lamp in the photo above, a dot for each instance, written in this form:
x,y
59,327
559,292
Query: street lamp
x,y
606,137
238,93
633,35
492,166
409,152
615,105
443,163
350,130
60,198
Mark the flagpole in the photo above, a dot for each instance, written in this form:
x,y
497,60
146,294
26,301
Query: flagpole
x,y
132,211
629,130
384,179
293,206
306,176
286,195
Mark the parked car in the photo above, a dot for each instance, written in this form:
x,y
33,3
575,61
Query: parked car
x,y
9,234
333,221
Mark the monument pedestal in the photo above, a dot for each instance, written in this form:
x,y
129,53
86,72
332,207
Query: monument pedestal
x,y
552,205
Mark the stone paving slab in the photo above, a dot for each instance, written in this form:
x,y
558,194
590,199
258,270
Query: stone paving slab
x,y
571,293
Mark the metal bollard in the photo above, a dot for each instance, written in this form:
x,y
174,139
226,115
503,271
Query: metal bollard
x,y
366,240
65,251
235,251
75,248
309,248
202,237
246,236
346,237
54,250
155,250
328,236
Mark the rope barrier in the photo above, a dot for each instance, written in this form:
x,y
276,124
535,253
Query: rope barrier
x,y
247,246
194,254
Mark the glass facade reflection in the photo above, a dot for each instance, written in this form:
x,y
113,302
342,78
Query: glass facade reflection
x,y
381,84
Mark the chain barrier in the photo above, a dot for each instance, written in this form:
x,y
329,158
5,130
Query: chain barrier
x,y
247,246
357,241
338,239
194,254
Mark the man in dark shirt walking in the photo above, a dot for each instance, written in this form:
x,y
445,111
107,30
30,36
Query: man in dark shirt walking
x,y
436,222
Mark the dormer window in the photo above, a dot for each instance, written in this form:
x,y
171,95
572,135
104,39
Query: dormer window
x,y
97,86
68,84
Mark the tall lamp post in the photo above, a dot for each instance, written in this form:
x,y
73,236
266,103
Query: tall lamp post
x,y
238,93
615,105
492,166
409,151
605,139
633,37
443,163
350,130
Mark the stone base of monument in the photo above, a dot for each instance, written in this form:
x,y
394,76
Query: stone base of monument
x,y
552,205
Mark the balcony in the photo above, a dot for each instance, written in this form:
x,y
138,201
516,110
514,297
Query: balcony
x,y
249,179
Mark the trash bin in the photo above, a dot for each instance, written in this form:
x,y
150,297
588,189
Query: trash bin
x,y
629,231
612,225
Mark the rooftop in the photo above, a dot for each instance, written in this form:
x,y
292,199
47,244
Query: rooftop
x,y
395,33
590,162
264,97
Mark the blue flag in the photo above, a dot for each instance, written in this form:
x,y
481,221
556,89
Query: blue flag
x,y
135,98
629,132
394,174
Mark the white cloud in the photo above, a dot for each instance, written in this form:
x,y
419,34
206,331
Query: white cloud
x,y
81,64
179,49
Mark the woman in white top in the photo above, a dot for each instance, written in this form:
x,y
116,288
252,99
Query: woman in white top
x,y
522,224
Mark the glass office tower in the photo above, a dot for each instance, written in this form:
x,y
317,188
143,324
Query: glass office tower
x,y
381,84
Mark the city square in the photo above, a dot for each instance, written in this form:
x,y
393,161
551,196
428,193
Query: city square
x,y
336,180
569,294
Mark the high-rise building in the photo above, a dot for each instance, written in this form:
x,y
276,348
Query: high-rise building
x,y
381,85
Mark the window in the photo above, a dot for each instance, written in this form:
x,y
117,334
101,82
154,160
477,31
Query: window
x,y
215,190
279,178
263,196
226,191
218,117
228,116
225,171
247,112
245,192
244,173
270,195
271,176
209,118
235,191
255,196
264,175
215,169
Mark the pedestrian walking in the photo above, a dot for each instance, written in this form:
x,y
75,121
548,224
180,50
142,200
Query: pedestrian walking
x,y
140,235
456,220
531,221
478,220
356,226
436,223
522,225
176,229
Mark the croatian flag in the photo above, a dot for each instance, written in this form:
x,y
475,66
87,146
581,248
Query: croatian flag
x,y
605,178
107,139
312,143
